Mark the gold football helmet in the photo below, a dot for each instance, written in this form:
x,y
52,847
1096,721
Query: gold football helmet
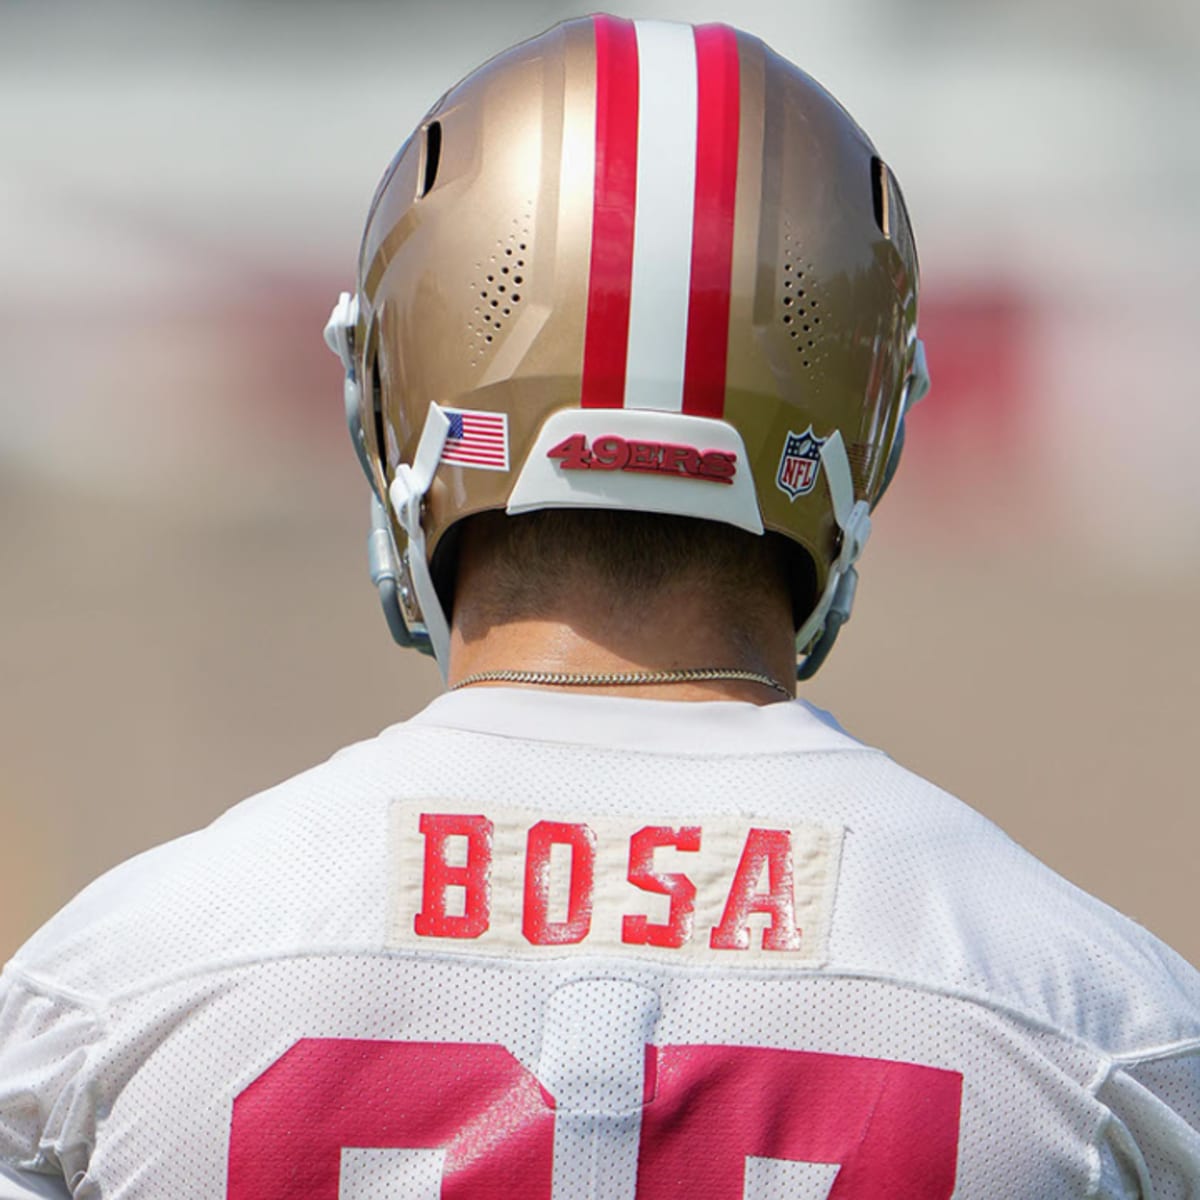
x,y
638,265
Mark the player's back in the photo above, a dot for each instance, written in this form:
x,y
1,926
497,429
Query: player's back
x,y
534,944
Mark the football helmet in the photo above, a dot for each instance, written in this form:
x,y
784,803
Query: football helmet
x,y
637,265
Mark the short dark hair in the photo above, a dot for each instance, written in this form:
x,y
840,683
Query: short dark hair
x,y
631,554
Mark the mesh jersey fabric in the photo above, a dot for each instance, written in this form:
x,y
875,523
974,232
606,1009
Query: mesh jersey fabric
x,y
248,1011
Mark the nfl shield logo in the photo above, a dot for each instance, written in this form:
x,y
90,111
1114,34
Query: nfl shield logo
x,y
799,464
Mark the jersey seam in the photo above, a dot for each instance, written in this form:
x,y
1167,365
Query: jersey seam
x,y
102,1004
29,1166
1110,1065
1164,1053
1111,1128
31,981
96,1012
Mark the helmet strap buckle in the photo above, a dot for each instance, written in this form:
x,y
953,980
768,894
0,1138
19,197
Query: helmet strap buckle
x,y
853,517
407,493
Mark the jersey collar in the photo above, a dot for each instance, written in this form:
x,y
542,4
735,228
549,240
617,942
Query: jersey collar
x,y
717,728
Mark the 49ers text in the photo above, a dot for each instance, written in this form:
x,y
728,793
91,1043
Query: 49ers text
x,y
615,453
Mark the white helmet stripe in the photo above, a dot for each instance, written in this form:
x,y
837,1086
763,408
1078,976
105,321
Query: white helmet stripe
x,y
667,131
664,207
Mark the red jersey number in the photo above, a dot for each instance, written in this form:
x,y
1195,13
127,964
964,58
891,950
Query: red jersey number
x,y
718,1113
475,1102
891,1126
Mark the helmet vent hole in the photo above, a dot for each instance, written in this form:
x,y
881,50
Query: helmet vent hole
x,y
377,421
879,197
433,157
795,311
496,288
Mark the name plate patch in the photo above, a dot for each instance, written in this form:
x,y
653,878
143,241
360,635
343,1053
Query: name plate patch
x,y
743,890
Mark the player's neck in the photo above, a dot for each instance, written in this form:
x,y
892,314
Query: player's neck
x,y
590,634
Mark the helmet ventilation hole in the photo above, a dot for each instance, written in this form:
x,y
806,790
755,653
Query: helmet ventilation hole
x,y
796,304
433,157
380,427
796,307
497,295
880,198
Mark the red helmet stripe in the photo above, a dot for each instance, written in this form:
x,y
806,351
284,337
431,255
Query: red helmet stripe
x,y
606,340
662,229
712,230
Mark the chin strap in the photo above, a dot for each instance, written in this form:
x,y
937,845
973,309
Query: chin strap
x,y
853,518
389,579
407,492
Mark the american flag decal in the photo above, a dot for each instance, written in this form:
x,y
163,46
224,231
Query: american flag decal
x,y
477,439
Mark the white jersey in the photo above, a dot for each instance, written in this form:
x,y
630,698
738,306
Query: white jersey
x,y
542,945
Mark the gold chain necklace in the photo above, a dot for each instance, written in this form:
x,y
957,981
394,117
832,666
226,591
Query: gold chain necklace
x,y
620,678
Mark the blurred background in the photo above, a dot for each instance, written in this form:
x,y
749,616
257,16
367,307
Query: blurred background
x,y
185,615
